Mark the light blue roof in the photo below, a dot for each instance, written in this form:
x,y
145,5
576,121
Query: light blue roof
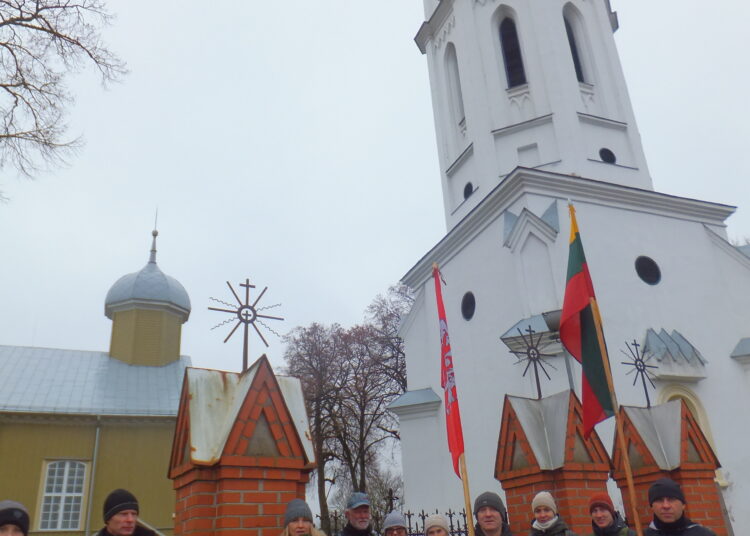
x,y
49,380
149,286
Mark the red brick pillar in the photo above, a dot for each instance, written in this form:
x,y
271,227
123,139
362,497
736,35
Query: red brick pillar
x,y
690,462
558,460
237,457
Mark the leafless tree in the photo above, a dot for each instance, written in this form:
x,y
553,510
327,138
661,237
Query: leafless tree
x,y
313,354
41,42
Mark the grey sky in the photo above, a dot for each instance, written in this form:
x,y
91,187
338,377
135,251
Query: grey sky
x,y
293,143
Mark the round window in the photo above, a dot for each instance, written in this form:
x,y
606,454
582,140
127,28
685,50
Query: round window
x,y
648,270
468,190
607,155
468,305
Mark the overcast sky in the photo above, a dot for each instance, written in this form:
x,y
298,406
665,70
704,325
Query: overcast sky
x,y
293,143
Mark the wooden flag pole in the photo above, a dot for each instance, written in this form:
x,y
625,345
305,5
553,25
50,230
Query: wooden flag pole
x,y
467,497
618,421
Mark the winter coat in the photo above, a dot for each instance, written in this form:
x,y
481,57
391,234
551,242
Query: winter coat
x,y
139,531
617,528
505,532
558,529
688,528
348,530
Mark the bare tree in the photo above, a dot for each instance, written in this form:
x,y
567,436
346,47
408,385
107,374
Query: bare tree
x,y
42,41
385,314
313,354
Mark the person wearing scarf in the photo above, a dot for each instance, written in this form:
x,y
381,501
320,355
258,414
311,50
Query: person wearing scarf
x,y
668,506
604,520
547,522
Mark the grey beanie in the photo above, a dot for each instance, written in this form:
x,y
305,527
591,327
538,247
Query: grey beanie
x,y
297,508
394,519
14,513
493,500
436,520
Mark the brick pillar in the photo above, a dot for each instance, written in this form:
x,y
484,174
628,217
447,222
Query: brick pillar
x,y
245,460
556,459
687,459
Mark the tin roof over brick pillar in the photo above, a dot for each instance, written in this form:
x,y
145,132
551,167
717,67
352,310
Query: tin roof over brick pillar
x,y
241,451
541,447
666,441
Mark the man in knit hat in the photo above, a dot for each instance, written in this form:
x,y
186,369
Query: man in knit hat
x,y
604,520
668,506
14,519
394,524
491,515
357,515
121,516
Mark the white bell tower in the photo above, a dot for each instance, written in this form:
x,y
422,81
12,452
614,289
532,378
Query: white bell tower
x,y
532,83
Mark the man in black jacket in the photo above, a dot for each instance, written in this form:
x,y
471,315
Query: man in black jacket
x,y
491,515
357,515
668,505
121,516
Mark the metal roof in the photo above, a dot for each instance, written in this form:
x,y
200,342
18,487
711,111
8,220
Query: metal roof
x,y
660,428
545,423
216,397
742,350
50,380
414,398
149,285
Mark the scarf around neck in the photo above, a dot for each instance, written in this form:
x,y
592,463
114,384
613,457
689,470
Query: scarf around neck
x,y
544,526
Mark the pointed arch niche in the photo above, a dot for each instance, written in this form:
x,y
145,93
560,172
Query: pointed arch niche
x,y
694,404
455,94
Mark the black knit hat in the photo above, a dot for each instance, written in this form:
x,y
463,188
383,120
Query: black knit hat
x,y
117,501
493,500
665,487
13,513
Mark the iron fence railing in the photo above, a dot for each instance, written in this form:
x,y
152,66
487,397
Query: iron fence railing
x,y
457,521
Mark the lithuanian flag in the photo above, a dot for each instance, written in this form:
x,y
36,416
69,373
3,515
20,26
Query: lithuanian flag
x,y
580,330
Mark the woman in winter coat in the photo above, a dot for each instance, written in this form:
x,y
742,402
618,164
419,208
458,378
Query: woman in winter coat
x,y
546,520
604,520
298,520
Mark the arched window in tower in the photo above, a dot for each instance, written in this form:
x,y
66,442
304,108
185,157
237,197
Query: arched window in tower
x,y
454,87
574,50
574,29
511,46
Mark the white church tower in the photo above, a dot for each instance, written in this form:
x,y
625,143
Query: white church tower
x,y
532,112
525,83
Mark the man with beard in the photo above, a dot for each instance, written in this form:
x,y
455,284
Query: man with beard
x,y
357,515
668,505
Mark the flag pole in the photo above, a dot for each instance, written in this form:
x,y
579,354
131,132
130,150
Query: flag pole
x,y
618,421
467,496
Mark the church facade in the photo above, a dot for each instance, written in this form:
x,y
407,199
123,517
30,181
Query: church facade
x,y
532,113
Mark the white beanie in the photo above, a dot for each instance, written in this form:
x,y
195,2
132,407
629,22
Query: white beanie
x,y
544,498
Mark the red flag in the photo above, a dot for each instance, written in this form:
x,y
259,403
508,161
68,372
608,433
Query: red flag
x,y
448,381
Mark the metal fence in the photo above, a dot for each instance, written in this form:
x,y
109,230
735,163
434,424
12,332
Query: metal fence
x,y
414,521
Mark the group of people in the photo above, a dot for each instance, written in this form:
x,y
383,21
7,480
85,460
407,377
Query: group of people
x,y
120,515
665,498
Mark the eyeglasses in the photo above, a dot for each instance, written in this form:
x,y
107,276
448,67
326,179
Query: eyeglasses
x,y
395,531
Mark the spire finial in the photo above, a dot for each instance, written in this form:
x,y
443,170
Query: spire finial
x,y
152,258
154,233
